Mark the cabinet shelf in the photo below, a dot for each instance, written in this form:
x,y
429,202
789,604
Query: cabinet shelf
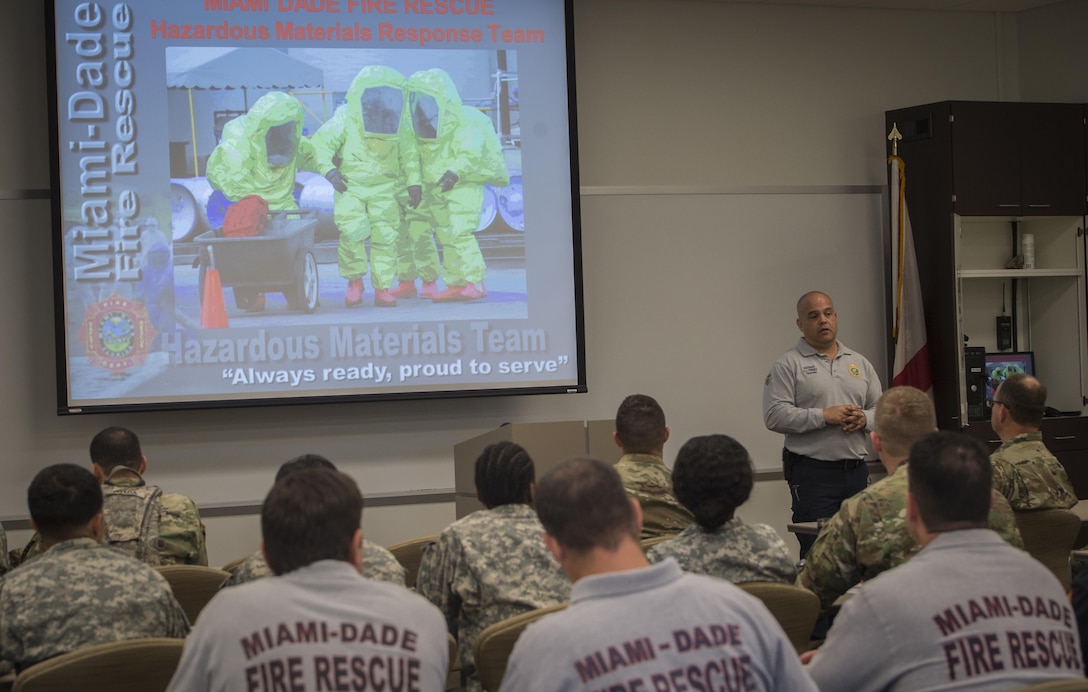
x,y
1015,273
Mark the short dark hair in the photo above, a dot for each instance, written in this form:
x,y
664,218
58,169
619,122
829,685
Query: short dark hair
x,y
950,477
310,515
1025,398
116,446
504,475
712,476
582,504
640,424
62,499
303,461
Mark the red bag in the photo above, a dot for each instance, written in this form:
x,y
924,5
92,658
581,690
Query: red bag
x,y
246,217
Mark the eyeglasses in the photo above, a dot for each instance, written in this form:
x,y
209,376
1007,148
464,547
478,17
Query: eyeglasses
x,y
990,403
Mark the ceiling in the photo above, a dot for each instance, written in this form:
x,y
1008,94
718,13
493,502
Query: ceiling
x,y
951,5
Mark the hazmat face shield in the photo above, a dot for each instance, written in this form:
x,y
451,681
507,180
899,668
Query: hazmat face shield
x,y
424,115
280,144
382,108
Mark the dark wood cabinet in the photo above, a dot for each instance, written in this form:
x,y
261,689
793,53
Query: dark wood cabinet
x,y
979,177
1017,159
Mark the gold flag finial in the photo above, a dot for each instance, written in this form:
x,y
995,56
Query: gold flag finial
x,y
894,136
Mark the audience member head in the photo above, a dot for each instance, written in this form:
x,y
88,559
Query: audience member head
x,y
712,476
950,483
583,506
310,515
904,415
1023,399
640,425
504,475
115,447
303,461
65,502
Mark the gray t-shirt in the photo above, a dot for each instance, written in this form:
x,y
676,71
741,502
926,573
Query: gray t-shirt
x,y
656,628
319,627
968,612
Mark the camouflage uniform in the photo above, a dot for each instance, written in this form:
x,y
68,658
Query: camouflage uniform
x,y
486,567
80,593
181,533
648,480
378,564
734,551
1029,476
5,561
868,535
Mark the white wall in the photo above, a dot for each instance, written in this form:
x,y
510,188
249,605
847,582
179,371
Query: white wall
x,y
1051,40
727,97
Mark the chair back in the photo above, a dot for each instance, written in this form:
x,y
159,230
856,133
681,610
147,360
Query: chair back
x,y
193,585
1049,535
1071,685
795,608
409,554
493,646
134,665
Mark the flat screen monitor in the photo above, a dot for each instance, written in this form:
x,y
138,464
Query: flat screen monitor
x,y
1001,365
288,201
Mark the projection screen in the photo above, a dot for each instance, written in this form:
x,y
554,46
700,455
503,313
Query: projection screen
x,y
284,201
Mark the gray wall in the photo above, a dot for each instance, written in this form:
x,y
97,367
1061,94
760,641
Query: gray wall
x,y
732,157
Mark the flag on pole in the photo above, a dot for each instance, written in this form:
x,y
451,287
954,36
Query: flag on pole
x,y
911,364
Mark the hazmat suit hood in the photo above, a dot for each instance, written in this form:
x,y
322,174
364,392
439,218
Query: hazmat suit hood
x,y
260,151
436,109
451,136
276,121
375,99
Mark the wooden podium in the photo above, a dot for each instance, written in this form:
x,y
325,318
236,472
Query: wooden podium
x,y
547,443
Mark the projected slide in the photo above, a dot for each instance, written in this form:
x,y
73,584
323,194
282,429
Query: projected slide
x,y
277,200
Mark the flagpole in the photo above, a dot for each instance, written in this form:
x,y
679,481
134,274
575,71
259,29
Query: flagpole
x,y
911,357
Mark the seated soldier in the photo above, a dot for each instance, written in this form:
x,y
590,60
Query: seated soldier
x,y
317,624
635,626
378,563
868,534
967,612
490,565
78,592
155,527
641,433
1025,471
712,477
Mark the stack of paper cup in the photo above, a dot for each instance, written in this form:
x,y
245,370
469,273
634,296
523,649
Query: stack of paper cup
x,y
1028,245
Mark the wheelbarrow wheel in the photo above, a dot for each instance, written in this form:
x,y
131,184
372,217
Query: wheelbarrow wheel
x,y
304,294
246,298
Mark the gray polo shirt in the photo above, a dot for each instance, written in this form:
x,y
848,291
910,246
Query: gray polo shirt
x,y
802,383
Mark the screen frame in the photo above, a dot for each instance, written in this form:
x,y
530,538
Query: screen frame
x,y
65,405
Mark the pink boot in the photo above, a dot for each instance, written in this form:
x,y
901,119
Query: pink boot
x,y
405,289
354,295
383,298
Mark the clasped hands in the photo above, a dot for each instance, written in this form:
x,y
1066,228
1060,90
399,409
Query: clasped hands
x,y
847,416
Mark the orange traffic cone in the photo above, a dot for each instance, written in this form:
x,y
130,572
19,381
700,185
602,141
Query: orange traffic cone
x,y
213,311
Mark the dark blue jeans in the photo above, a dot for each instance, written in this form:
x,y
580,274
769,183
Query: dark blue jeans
x,y
817,488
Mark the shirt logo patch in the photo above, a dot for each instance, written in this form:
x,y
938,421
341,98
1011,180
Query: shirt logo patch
x,y
808,369
854,370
